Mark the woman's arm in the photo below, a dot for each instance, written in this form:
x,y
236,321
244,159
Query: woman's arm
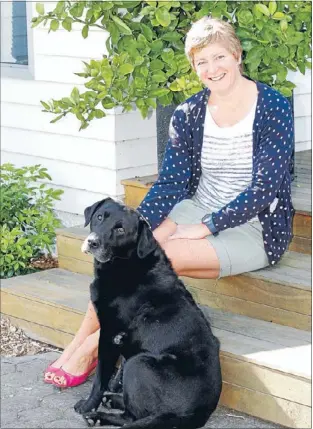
x,y
171,185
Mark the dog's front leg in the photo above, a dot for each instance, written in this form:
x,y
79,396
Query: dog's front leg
x,y
108,354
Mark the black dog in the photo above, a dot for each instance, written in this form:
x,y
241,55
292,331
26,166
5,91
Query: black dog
x,y
172,376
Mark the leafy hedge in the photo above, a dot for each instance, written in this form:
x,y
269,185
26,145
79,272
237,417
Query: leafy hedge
x,y
145,62
27,221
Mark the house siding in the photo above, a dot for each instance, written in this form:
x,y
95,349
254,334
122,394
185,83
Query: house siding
x,y
89,164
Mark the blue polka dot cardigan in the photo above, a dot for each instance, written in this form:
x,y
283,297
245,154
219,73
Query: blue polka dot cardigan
x,y
272,149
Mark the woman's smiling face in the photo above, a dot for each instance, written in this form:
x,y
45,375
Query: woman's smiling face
x,y
216,67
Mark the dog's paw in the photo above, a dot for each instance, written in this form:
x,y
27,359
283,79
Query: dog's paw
x,y
83,406
91,418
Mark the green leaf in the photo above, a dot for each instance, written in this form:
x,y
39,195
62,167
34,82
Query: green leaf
x,y
108,103
45,105
163,17
99,114
245,17
75,95
272,6
159,77
158,92
156,65
140,83
174,86
156,46
301,67
167,55
67,23
254,54
279,16
171,36
40,9
283,51
126,69
147,32
263,9
122,26
282,74
85,31
56,119
54,25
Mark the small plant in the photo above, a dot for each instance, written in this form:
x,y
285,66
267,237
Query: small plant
x,y
145,63
27,220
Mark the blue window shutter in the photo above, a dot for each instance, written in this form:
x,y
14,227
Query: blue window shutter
x,y
19,36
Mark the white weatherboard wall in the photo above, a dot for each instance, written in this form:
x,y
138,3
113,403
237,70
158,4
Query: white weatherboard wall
x,y
302,109
90,164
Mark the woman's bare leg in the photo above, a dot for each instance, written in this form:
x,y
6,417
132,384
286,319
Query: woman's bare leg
x,y
193,258
90,325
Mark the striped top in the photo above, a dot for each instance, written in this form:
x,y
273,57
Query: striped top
x,y
226,162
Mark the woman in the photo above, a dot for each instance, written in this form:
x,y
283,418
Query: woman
x,y
222,203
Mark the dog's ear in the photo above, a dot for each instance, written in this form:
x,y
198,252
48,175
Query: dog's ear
x,y
89,211
146,242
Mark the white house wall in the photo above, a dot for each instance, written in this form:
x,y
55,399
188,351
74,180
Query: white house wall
x,y
302,109
86,165
90,164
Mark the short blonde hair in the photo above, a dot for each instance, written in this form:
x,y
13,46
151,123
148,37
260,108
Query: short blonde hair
x,y
211,30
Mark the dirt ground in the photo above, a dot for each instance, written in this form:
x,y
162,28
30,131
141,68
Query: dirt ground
x,y
14,341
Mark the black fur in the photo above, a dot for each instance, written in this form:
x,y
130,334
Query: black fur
x,y
172,376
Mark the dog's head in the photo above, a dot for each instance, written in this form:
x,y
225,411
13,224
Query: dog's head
x,y
116,231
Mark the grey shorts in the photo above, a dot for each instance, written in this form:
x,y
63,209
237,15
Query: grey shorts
x,y
238,249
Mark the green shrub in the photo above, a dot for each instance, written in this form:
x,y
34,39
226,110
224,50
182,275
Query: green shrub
x,y
27,220
146,64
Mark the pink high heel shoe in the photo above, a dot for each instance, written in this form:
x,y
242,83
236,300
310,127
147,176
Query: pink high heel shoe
x,y
50,373
63,379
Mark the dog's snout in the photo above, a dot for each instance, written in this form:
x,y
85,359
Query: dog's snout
x,y
94,243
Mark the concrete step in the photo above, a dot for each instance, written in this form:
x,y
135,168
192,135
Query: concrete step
x,y
266,367
280,294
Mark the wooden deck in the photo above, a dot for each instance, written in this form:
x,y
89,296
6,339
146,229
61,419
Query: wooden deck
x,y
302,185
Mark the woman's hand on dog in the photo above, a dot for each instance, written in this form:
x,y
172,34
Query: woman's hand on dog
x,y
191,232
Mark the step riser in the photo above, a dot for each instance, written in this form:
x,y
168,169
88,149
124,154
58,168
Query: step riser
x,y
247,387
251,309
250,297
42,333
258,404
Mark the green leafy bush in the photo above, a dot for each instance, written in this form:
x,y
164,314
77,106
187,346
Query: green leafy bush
x,y
27,221
146,63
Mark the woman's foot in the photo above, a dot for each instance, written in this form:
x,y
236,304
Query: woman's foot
x,y
78,367
69,351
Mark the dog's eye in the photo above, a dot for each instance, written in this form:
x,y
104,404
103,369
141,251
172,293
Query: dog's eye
x,y
99,217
